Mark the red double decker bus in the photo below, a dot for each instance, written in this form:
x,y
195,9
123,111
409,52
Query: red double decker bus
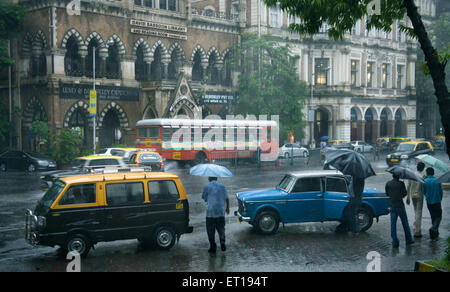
x,y
205,140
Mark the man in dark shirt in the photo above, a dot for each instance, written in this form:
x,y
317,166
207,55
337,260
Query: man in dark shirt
x,y
396,191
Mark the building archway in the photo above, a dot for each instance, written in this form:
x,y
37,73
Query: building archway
x,y
370,131
400,128
384,117
77,119
355,121
110,132
321,124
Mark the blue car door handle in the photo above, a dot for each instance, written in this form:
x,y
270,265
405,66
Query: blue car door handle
x,y
320,195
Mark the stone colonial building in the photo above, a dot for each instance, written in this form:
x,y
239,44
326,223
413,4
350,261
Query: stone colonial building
x,y
363,87
149,58
162,58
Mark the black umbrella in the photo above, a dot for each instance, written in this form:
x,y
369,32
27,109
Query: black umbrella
x,y
349,162
405,173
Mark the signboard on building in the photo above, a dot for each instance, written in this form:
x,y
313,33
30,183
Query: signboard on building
x,y
218,98
83,91
158,29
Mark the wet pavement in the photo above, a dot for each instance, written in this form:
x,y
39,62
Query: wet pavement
x,y
296,247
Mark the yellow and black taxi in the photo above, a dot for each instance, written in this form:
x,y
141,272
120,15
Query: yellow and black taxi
x,y
408,150
79,211
147,158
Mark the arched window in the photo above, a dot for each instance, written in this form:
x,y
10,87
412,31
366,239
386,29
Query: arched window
x,y
90,59
227,66
157,65
113,62
72,59
197,70
140,67
213,74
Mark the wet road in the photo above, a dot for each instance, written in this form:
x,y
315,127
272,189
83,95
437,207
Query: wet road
x,y
296,247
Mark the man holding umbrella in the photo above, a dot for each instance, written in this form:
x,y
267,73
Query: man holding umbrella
x,y
358,167
217,203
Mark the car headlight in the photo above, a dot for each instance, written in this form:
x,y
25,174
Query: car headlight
x,y
41,222
42,162
389,156
404,156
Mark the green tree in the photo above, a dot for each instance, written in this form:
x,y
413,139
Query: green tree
x,y
342,15
12,17
66,146
269,84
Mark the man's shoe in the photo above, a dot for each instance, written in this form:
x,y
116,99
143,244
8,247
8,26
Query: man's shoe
x,y
417,235
410,243
223,247
212,250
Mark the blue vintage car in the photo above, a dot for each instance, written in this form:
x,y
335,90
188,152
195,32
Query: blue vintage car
x,y
307,197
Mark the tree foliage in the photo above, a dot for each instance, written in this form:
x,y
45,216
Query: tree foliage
x,y
66,146
269,84
12,17
342,15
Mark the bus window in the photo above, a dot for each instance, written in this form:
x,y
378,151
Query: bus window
x,y
167,134
142,133
154,132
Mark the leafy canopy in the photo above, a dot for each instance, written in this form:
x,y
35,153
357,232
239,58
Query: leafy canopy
x,y
12,17
341,15
268,82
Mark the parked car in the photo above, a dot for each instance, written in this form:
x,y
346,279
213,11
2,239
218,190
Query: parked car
x,y
125,153
79,211
147,158
395,141
409,150
307,196
293,150
438,142
24,160
361,146
82,165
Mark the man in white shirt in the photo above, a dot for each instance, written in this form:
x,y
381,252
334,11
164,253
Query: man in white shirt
x,y
415,193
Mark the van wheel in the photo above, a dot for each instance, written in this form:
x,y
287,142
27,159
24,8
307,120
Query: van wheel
x,y
31,168
78,243
267,222
165,237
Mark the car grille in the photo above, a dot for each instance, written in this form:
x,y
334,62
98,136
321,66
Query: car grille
x,y
240,206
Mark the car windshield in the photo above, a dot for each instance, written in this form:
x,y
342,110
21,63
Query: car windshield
x,y
51,195
120,153
149,158
284,184
36,155
405,147
77,163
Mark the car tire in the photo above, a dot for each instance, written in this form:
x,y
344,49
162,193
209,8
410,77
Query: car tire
x,y
286,155
267,222
365,218
305,154
3,167
164,237
78,243
31,168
